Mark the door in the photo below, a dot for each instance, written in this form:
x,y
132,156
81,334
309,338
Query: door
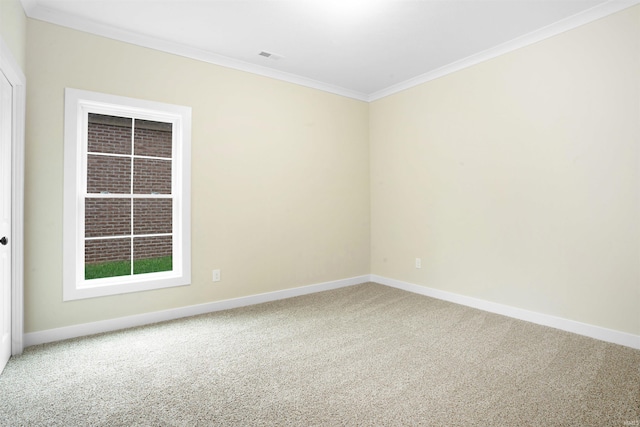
x,y
5,219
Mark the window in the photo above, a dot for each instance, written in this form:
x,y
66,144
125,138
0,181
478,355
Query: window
x,y
126,195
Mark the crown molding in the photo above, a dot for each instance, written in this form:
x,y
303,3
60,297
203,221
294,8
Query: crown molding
x,y
29,6
574,21
35,11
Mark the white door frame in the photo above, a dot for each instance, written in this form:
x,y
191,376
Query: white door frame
x,y
10,68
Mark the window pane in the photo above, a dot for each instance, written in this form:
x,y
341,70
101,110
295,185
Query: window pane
x,y
108,174
152,254
153,138
107,217
152,216
151,176
109,134
107,258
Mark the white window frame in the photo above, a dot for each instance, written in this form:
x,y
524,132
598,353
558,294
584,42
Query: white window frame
x,y
78,104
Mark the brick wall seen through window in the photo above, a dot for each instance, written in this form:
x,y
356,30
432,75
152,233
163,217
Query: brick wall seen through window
x,y
128,207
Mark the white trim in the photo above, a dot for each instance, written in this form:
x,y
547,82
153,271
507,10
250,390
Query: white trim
x,y
35,11
29,6
50,335
77,104
591,331
10,68
74,331
582,18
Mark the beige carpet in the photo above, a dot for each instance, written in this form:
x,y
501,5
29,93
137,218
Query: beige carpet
x,y
359,356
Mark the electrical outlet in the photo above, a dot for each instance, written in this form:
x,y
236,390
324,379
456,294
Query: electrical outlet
x,y
418,263
216,275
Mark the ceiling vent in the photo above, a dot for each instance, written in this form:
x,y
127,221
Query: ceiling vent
x,y
270,55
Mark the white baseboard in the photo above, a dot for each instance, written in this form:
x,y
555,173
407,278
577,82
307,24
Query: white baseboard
x,y
597,332
58,334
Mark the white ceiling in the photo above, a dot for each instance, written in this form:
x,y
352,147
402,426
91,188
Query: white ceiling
x,y
359,48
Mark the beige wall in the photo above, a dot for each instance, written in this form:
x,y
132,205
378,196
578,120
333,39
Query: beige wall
x,y
13,25
517,180
280,175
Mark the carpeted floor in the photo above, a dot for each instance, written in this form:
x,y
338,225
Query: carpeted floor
x,y
359,356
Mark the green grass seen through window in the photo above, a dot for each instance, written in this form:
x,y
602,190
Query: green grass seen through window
x,y
123,268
